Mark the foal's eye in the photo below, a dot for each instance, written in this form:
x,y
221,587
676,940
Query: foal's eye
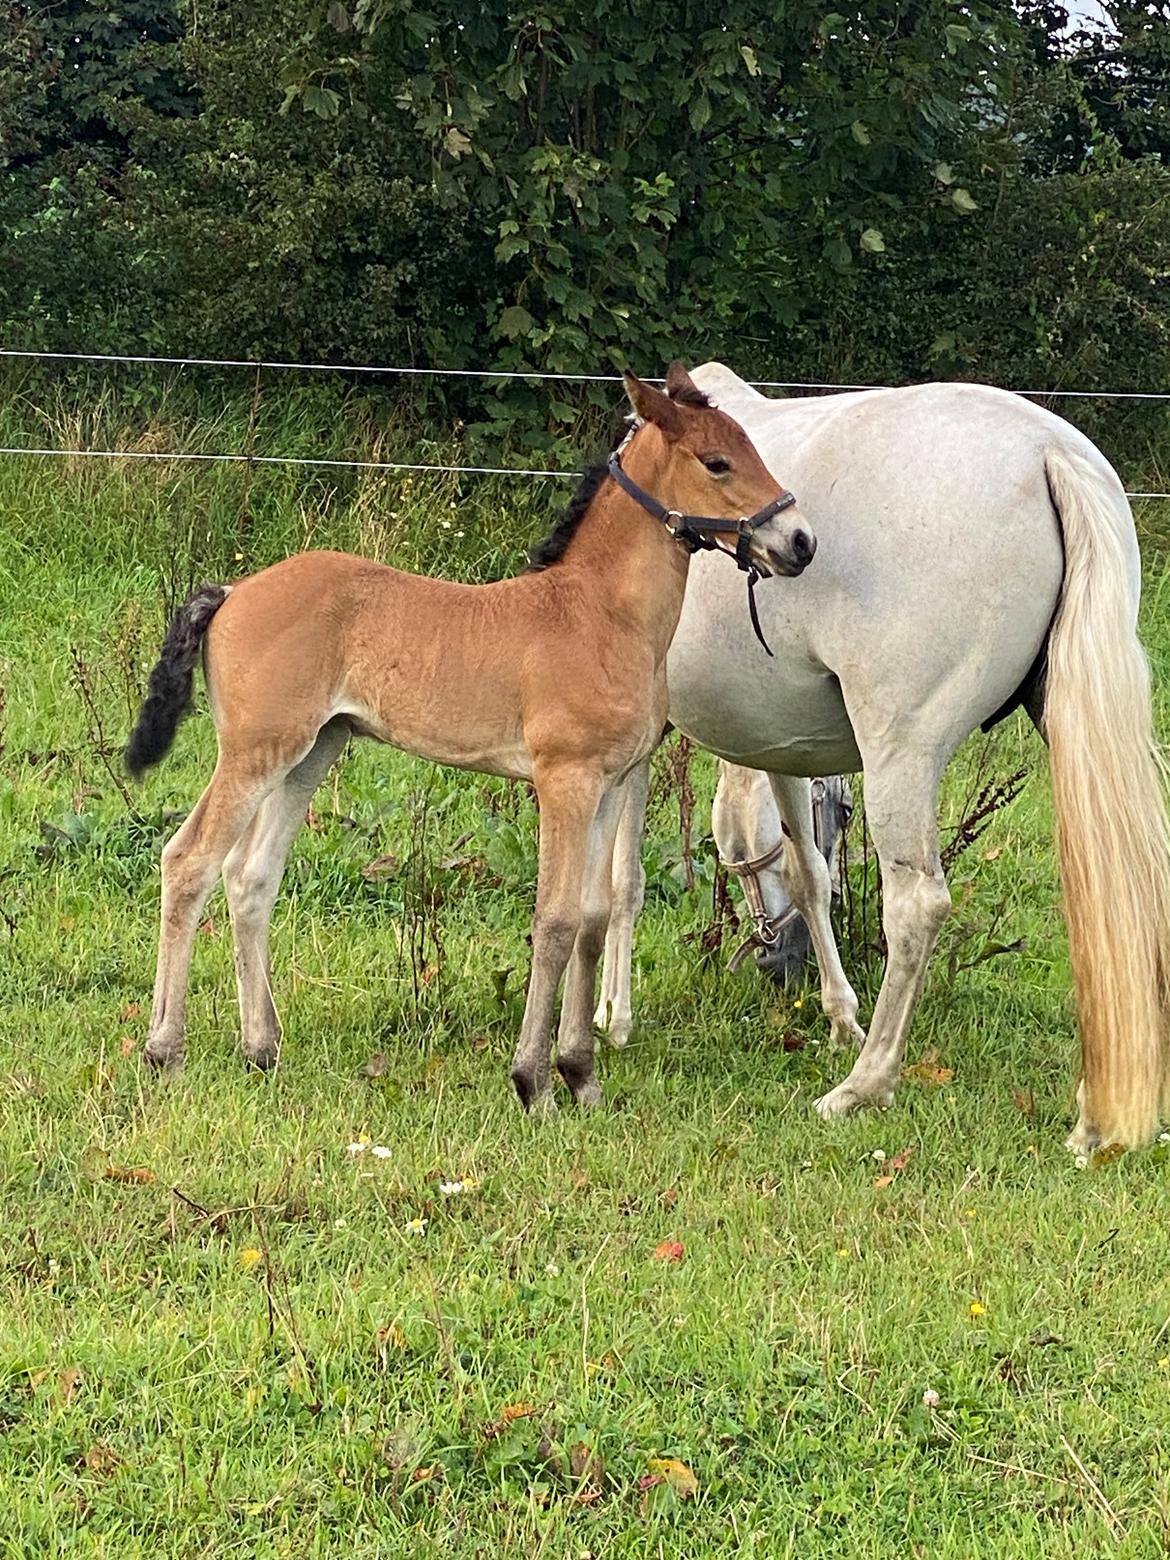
x,y
717,466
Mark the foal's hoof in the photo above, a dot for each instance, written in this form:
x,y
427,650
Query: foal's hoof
x,y
168,1063
619,1036
537,1099
580,1081
846,1098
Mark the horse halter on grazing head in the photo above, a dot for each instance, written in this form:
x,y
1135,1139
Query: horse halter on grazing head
x,y
697,533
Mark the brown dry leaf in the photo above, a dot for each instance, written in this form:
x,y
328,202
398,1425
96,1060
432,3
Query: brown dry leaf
x,y
207,927
580,1179
669,1251
131,1010
126,1046
587,1467
376,1066
994,854
793,1042
1025,1101
428,974
928,1071
900,1161
312,819
426,1475
669,1197
69,1384
883,1180
508,1416
391,1337
481,1042
1107,1155
128,1175
380,868
680,1478
101,1459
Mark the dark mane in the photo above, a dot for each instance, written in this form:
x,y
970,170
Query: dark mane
x,y
556,543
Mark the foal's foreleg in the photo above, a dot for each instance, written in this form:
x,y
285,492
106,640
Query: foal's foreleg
x,y
614,1010
251,880
575,1036
191,863
569,798
810,886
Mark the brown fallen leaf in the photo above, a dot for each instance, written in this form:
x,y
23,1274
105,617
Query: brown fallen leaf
x,y
927,1070
207,927
131,1010
669,1251
669,1197
312,819
128,1175
900,1161
380,868
69,1384
100,1459
126,1046
426,1475
994,854
1025,1101
793,1042
376,1066
587,1467
508,1416
883,1180
1107,1155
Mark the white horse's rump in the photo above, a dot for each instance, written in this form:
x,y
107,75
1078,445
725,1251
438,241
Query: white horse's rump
x,y
960,530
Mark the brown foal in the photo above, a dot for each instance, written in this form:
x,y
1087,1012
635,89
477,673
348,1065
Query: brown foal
x,y
557,676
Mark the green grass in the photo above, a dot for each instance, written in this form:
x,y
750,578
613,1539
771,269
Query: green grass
x,y
244,1350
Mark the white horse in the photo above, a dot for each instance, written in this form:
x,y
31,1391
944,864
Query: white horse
x,y
974,552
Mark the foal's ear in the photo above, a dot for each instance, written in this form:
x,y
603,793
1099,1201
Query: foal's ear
x,y
681,387
654,407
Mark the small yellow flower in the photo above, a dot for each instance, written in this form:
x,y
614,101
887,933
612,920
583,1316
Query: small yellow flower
x,y
969,1213
799,1002
843,1251
239,557
976,1309
415,1226
249,1257
1164,1362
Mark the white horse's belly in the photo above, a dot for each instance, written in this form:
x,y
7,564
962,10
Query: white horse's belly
x,y
807,730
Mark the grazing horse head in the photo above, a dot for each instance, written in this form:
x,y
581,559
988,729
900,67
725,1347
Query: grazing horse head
x,y
693,467
750,840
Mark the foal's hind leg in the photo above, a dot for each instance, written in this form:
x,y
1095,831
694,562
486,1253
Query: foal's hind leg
x,y
251,879
614,1010
191,863
810,887
575,1036
901,801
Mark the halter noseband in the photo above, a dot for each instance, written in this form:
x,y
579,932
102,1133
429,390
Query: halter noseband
x,y
767,928
688,530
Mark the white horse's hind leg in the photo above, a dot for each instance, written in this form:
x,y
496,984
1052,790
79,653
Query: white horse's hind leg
x,y
901,809
810,887
615,1009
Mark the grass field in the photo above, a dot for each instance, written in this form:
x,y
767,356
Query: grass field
x,y
690,1325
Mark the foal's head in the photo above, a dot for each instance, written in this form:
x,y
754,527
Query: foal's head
x,y
707,465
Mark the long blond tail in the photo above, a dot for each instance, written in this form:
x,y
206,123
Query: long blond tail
x,y
1113,836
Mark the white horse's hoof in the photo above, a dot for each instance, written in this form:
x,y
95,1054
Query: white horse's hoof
x,y
619,1036
1082,1142
543,1107
846,1099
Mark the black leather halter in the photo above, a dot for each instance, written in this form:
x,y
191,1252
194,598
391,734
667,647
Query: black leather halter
x,y
691,531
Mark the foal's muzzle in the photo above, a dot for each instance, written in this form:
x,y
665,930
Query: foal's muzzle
x,y
789,558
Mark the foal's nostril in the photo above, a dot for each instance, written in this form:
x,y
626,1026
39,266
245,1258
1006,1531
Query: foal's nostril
x,y
803,546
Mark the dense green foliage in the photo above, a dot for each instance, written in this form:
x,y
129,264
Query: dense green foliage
x,y
894,189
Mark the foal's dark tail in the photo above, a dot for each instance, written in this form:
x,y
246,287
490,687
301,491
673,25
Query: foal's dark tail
x,y
172,681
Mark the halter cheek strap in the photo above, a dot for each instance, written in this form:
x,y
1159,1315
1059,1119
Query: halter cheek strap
x,y
694,531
